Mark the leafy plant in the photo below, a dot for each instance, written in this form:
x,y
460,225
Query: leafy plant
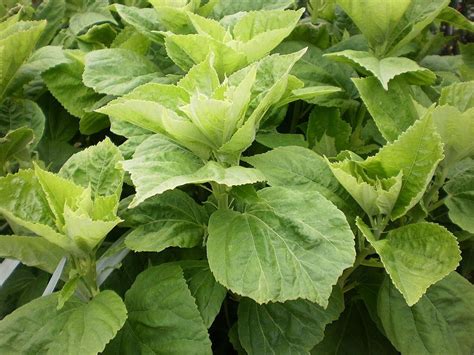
x,y
236,177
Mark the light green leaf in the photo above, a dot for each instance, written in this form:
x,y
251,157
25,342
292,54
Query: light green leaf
x,y
416,153
146,21
456,130
459,95
59,193
40,61
388,14
274,139
16,44
376,196
440,323
302,169
416,256
90,13
159,164
201,78
293,327
209,27
77,328
260,32
188,50
117,71
455,18
460,199
419,15
167,220
274,251
208,294
21,194
31,251
393,111
162,316
385,69
229,7
96,167
85,231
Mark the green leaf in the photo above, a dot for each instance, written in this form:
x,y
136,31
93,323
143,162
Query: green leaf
x,y
302,169
385,69
17,41
273,139
162,316
440,322
460,199
455,18
419,15
31,251
261,31
53,11
201,78
293,327
15,146
96,167
416,256
117,71
354,333
90,13
64,79
459,95
77,328
416,153
274,251
327,132
456,130
17,113
21,194
208,294
388,14
167,220
393,111
40,61
159,164
229,7
188,50
146,21
376,196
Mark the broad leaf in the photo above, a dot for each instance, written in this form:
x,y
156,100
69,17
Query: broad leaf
x,y
66,78
456,130
162,316
16,43
388,14
393,111
77,328
354,333
460,199
96,167
159,164
415,154
440,322
416,256
172,219
302,169
293,327
385,69
460,95
274,251
208,294
117,71
15,147
31,251
229,7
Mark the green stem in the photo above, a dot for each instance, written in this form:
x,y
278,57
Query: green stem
x,y
440,179
358,261
221,196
